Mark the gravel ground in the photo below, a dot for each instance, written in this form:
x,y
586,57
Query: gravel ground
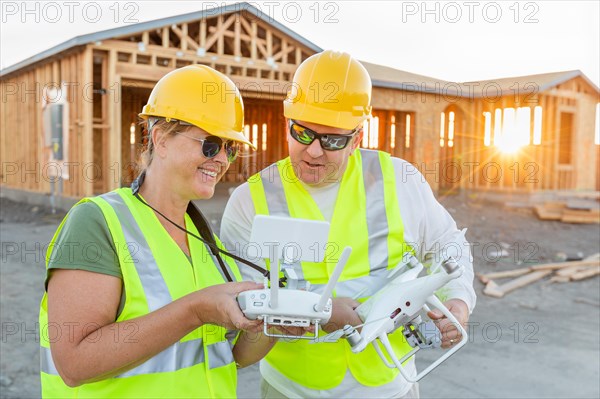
x,y
16,212
540,341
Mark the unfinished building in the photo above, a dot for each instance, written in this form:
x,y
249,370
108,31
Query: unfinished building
x,y
526,133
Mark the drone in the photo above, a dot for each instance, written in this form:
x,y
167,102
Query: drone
x,y
285,242
401,303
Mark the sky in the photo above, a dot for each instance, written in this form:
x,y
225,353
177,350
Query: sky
x,y
455,41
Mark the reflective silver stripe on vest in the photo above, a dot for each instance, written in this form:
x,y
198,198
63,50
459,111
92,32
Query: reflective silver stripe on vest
x,y
46,363
219,355
155,288
377,223
177,356
274,193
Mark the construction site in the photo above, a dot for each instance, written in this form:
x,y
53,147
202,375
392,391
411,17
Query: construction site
x,y
519,169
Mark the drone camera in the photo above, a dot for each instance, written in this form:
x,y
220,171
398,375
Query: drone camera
x,y
450,265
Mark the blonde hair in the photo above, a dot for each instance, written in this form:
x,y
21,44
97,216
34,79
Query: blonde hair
x,y
168,129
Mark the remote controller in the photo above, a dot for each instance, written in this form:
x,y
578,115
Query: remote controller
x,y
295,308
290,306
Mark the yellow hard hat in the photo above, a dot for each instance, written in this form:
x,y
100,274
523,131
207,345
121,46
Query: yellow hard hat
x,y
200,96
330,88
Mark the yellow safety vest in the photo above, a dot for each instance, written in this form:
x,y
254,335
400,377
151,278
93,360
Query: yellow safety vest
x,y
367,218
155,273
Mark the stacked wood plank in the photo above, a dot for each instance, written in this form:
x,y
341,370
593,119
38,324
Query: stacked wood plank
x,y
561,273
556,210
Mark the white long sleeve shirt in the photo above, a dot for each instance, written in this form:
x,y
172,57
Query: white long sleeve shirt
x,y
428,228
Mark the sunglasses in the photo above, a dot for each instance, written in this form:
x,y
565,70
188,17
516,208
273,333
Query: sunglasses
x,y
211,146
329,142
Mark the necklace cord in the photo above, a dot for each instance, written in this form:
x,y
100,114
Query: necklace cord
x,y
214,248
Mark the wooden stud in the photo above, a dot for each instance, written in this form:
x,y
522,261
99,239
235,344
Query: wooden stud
x,y
485,278
569,271
202,34
544,143
269,43
114,120
494,290
253,43
4,116
561,265
86,74
219,36
104,117
585,274
285,51
30,125
237,41
184,37
556,139
165,37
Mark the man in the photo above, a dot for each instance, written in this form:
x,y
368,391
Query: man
x,y
379,205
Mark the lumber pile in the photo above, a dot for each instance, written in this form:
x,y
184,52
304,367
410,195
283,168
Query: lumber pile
x,y
560,273
567,213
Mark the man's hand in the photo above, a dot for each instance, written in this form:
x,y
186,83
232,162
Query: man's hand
x,y
450,334
342,313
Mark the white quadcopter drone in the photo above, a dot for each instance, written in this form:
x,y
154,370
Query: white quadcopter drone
x,y
401,303
288,241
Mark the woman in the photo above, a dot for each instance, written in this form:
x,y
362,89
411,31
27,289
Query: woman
x,y
136,304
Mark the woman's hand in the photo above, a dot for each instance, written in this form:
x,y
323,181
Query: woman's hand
x,y
292,331
218,305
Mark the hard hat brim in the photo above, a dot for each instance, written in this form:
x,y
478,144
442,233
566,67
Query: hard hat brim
x,y
228,135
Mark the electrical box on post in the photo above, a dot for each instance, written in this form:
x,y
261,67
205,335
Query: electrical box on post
x,y
55,112
55,130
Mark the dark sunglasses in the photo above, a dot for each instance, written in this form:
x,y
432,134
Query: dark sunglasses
x,y
211,146
329,142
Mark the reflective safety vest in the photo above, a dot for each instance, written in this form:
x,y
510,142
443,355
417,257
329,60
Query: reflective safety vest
x,y
155,273
367,218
